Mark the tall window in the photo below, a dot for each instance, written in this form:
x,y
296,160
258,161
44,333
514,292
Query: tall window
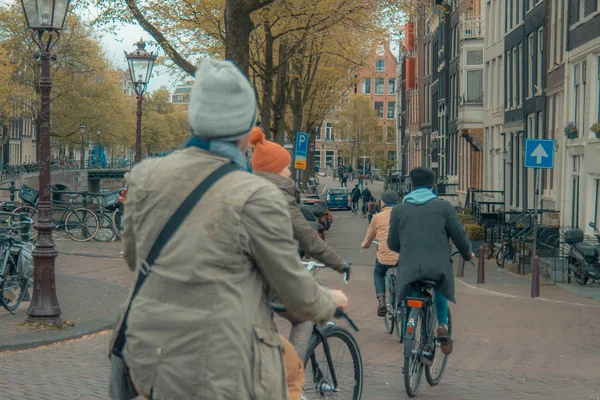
x,y
329,131
426,53
379,86
379,108
596,202
508,71
540,50
520,80
518,76
575,192
380,66
540,124
366,85
530,66
576,94
583,94
531,126
554,33
515,68
392,86
329,155
598,88
318,135
391,110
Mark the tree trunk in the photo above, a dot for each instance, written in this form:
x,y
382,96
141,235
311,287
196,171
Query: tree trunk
x,y
296,113
238,26
280,105
267,100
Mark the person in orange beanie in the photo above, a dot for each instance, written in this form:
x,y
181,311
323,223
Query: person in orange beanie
x,y
272,162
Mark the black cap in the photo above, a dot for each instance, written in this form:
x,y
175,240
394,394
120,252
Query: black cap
x,y
390,197
422,177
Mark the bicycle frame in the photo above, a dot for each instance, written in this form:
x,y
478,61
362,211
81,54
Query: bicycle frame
x,y
424,302
320,333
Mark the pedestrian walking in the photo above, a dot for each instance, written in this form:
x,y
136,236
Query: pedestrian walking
x,y
206,262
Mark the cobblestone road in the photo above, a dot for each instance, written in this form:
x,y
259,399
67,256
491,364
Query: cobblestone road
x,y
506,347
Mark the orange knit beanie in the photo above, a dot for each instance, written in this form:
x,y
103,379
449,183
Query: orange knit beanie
x,y
267,156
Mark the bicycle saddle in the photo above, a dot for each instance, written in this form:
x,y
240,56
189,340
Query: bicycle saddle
x,y
426,284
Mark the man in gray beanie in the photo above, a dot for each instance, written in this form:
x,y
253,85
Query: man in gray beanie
x,y
386,258
202,317
420,229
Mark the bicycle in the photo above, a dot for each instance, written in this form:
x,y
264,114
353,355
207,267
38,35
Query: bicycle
x,y
421,345
506,251
323,381
355,207
80,223
13,280
108,203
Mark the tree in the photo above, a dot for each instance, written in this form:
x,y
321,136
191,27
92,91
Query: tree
x,y
358,126
164,125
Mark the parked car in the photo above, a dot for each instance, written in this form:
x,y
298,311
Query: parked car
x,y
312,220
338,198
319,208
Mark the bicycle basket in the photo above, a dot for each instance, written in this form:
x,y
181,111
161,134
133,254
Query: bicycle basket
x,y
110,200
25,260
28,195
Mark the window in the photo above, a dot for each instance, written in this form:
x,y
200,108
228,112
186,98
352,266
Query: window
x,y
475,57
392,86
328,131
391,155
391,111
575,192
596,203
318,159
379,86
581,10
426,53
508,70
540,124
380,66
379,108
513,81
366,86
576,95
318,135
540,50
329,155
598,88
531,133
530,67
518,77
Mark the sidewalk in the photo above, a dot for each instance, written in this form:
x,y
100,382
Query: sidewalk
x,y
502,282
90,292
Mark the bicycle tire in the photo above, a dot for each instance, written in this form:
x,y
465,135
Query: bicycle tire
x,y
388,318
11,304
399,319
501,256
106,230
315,378
32,213
412,358
434,379
87,234
117,218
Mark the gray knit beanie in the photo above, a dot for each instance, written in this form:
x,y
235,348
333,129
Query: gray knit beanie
x,y
390,198
223,103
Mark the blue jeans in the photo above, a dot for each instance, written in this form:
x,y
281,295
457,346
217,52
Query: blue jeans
x,y
441,305
379,277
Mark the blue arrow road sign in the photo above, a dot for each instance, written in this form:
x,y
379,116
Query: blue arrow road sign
x,y
301,150
539,153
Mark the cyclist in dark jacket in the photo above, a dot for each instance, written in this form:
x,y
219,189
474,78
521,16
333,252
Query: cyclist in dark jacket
x,y
420,229
366,197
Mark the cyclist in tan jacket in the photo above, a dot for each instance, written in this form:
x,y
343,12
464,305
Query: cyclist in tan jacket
x,y
386,258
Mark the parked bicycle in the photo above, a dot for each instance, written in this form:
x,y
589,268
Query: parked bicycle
x,y
80,223
505,252
108,203
117,215
17,262
323,377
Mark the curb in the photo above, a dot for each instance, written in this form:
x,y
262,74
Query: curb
x,y
76,332
92,255
44,338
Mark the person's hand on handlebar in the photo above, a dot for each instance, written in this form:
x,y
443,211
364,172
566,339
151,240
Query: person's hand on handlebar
x,y
340,299
347,271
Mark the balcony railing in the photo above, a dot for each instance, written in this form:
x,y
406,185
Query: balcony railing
x,y
472,28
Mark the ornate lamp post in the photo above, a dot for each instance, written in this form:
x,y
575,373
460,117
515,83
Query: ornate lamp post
x,y
140,67
82,128
46,19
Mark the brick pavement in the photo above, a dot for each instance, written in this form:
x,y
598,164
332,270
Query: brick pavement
x,y
506,347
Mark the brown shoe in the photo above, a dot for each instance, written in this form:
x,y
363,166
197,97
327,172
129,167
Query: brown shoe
x,y
381,307
444,338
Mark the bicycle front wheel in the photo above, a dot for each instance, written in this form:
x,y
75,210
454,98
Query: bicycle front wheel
x,y
435,372
117,219
106,230
82,224
413,368
13,286
347,366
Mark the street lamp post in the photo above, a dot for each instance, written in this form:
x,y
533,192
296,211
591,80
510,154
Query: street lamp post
x,y
140,68
98,147
82,128
45,19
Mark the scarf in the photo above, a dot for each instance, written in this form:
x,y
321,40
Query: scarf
x,y
223,149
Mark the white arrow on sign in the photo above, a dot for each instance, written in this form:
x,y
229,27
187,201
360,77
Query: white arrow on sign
x,y
539,153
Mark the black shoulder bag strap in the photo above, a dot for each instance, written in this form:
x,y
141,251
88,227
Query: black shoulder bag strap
x,y
167,232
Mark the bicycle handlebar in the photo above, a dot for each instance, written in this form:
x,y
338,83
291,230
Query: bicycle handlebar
x,y
457,252
339,313
312,265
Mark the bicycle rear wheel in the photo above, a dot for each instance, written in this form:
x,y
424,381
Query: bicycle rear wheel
x,y
413,368
82,224
348,371
106,230
435,372
13,288
390,315
501,256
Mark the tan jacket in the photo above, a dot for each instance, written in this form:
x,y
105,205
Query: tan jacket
x,y
201,327
379,229
307,237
